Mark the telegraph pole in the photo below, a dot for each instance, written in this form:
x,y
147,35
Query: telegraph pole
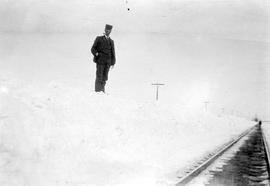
x,y
223,110
205,105
157,85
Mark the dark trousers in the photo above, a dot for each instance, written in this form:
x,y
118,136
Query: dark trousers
x,y
101,77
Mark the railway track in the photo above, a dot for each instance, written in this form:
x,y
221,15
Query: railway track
x,y
243,161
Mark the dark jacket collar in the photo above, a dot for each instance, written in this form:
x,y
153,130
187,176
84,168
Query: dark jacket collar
x,y
106,37
109,39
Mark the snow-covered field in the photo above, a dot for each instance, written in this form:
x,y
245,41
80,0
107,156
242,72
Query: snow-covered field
x,y
55,131
55,134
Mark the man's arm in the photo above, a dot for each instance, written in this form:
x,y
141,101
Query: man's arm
x,y
94,47
113,54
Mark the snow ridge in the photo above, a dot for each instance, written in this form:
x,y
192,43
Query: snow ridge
x,y
59,135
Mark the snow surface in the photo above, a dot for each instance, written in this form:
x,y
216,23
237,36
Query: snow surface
x,y
54,134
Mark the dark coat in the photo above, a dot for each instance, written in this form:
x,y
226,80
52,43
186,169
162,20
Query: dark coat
x,y
105,50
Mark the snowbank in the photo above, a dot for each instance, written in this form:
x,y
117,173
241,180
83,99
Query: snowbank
x,y
58,135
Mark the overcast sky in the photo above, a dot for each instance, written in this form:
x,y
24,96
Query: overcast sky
x,y
243,19
216,50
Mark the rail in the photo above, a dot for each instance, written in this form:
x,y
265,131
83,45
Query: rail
x,y
188,177
267,151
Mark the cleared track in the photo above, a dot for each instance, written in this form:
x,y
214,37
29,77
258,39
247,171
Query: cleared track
x,y
248,166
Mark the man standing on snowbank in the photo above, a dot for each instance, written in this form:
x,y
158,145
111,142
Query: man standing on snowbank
x,y
104,57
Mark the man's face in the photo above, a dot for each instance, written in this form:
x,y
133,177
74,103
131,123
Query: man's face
x,y
107,32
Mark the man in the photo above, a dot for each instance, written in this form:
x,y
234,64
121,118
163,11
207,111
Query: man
x,y
104,57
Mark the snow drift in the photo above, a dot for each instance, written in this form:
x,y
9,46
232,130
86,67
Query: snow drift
x,y
59,135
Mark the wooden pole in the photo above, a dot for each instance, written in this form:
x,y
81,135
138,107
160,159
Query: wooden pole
x,y
205,104
157,85
223,110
